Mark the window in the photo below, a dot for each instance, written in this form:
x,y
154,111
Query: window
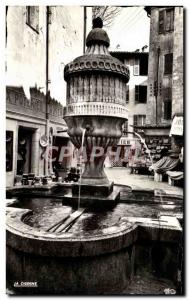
x,y
127,93
166,20
139,120
140,93
32,17
140,66
125,128
168,63
167,109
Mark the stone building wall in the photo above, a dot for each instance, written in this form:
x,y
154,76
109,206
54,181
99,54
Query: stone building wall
x,y
26,48
167,42
177,88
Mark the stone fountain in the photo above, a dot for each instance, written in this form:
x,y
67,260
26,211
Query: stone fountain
x,y
53,248
96,97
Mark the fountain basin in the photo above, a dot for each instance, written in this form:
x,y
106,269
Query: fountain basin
x,y
101,251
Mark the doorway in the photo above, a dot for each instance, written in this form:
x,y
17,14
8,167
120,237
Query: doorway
x,y
24,150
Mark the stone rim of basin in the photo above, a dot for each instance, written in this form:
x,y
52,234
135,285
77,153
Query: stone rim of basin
x,y
27,239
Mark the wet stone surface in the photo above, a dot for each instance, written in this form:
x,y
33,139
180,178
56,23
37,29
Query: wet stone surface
x,y
48,211
46,216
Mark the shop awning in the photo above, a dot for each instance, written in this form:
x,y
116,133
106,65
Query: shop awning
x,y
59,130
164,164
177,126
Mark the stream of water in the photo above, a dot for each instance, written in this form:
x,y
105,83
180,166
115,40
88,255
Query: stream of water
x,y
143,141
80,160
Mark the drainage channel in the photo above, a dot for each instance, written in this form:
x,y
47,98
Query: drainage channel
x,y
67,222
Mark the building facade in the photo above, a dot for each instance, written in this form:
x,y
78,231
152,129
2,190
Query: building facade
x,y
165,73
136,98
39,42
26,129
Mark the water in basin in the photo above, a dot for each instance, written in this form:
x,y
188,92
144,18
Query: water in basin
x,y
48,211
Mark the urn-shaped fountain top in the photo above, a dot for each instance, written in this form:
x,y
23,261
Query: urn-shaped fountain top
x,y
96,79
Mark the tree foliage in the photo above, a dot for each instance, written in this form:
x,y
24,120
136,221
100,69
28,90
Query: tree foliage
x,y
106,13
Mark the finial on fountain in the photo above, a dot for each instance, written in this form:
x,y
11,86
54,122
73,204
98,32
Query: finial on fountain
x,y
97,35
97,23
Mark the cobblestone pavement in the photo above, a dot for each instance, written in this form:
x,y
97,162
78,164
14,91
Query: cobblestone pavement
x,y
123,176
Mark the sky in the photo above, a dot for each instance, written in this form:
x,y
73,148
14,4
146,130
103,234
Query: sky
x,y
130,30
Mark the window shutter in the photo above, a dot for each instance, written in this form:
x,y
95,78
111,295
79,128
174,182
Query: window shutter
x,y
167,94
140,120
32,11
144,120
168,63
127,93
125,128
167,110
142,93
37,18
136,93
169,20
28,14
32,17
135,120
172,20
161,21
9,151
136,68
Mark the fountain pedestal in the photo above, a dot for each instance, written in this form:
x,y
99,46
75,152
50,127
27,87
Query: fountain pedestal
x,y
93,190
105,195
